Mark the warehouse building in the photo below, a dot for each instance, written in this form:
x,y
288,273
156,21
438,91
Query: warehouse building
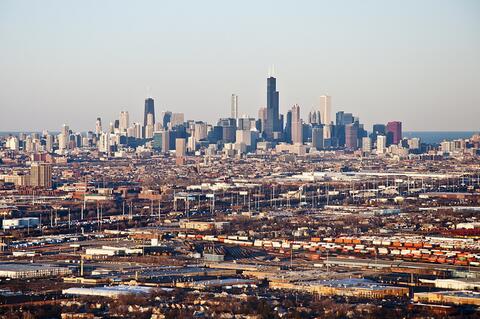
x,y
26,271
360,288
17,223
455,284
108,291
449,297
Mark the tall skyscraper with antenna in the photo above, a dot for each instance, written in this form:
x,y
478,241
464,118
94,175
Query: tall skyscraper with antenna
x,y
272,123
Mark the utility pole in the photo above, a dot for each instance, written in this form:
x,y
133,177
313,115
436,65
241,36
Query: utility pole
x,y
159,210
273,196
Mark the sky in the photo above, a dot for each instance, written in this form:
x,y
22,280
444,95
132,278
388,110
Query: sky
x,y
416,61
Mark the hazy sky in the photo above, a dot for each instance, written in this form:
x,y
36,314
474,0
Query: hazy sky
x,y
70,61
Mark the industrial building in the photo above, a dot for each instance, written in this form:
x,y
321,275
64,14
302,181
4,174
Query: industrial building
x,y
108,291
449,297
361,288
226,282
27,271
17,223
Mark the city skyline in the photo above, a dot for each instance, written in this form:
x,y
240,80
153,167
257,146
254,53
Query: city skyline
x,y
107,66
151,166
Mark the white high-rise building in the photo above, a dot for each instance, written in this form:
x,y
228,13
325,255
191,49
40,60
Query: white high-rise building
x,y
65,130
192,144
381,144
325,109
234,107
366,144
137,130
62,141
104,143
124,121
12,143
149,128
49,143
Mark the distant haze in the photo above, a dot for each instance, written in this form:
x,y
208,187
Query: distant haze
x,y
73,61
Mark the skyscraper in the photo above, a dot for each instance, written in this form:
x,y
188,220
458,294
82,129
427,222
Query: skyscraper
x,y
180,147
272,123
200,130
149,109
317,137
394,130
381,144
124,121
297,129
262,117
161,141
288,127
366,144
177,119
65,131
325,109
166,118
351,136
41,175
149,128
98,126
49,143
137,130
62,141
234,107
378,129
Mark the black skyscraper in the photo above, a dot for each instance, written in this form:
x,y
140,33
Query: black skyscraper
x,y
288,128
378,129
272,123
149,109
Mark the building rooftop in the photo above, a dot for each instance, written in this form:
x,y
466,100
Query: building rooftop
x,y
18,267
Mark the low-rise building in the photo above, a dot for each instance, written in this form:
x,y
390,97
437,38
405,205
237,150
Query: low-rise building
x,y
26,271
449,297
